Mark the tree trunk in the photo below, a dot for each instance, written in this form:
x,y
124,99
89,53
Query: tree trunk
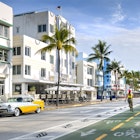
x,y
103,85
57,93
116,83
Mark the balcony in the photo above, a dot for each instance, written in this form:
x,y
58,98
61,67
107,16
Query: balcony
x,y
4,43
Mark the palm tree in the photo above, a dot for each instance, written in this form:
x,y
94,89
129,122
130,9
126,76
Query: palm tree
x,y
115,67
127,75
61,40
133,81
137,79
100,52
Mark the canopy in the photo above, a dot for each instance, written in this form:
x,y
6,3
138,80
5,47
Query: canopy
x,y
88,89
63,88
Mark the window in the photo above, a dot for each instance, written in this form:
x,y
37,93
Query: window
x,y
43,56
27,99
39,28
89,70
51,28
27,70
28,51
16,69
1,30
17,51
51,59
72,65
4,31
2,87
42,28
43,72
3,55
17,29
89,82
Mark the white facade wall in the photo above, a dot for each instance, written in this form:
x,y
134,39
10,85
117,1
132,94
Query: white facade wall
x,y
35,62
27,24
82,73
121,86
86,76
6,37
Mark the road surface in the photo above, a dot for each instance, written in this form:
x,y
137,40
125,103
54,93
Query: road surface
x,y
87,122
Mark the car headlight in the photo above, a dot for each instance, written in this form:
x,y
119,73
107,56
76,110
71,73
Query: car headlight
x,y
9,106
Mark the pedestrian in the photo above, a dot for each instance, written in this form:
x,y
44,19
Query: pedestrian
x,y
129,98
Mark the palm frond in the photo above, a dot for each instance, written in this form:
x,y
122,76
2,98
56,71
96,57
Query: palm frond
x,y
70,40
101,52
59,40
69,48
46,38
47,48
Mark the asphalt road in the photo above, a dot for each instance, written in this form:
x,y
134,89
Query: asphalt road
x,y
87,122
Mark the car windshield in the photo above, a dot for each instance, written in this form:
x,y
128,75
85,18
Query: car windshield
x,y
16,99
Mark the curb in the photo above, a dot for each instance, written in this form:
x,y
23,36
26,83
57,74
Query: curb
x,y
61,106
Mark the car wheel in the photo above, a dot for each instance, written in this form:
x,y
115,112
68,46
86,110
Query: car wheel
x,y
38,110
17,112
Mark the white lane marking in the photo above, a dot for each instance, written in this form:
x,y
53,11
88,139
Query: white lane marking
x,y
86,111
92,131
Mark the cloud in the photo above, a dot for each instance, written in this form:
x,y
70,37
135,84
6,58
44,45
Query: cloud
x,y
118,15
124,42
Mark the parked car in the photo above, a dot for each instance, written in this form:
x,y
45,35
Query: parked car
x,y
21,104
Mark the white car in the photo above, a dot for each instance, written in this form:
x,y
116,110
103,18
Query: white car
x,y
21,104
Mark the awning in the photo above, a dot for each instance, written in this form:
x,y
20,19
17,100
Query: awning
x,y
66,88
5,47
61,88
5,23
88,89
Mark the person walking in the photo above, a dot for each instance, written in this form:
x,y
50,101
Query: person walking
x,y
129,98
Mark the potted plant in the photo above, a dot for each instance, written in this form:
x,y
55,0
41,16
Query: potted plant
x,y
32,90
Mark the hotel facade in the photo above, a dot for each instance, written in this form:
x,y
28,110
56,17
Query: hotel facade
x,y
6,41
39,69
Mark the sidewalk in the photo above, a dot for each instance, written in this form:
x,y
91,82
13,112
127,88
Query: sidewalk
x,y
76,104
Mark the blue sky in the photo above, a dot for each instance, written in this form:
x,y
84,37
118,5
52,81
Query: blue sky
x,y
117,22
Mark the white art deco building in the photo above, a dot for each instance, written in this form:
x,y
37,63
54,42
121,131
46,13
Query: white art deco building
x,y
39,70
6,42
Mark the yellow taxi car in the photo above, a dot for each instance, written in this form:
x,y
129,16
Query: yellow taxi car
x,y
21,104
